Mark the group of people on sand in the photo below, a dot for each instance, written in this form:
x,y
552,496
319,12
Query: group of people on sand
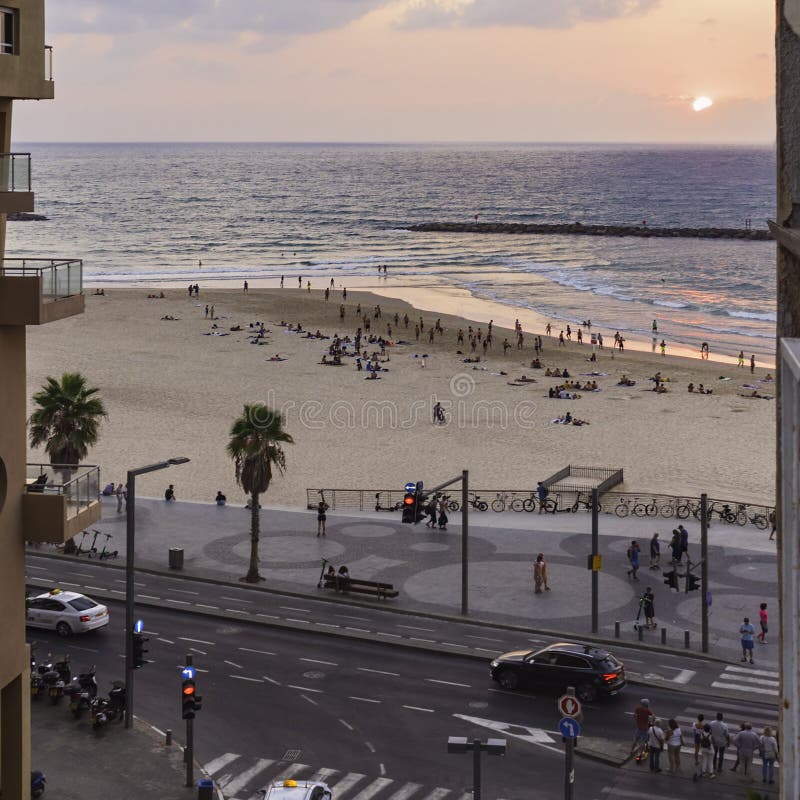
x,y
556,373
568,419
700,389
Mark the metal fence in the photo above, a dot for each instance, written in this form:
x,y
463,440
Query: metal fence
x,y
583,479
621,504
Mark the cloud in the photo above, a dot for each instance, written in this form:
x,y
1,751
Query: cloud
x,y
204,18
527,13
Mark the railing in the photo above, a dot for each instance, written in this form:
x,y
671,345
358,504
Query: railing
x,y
622,504
60,277
15,172
581,479
48,62
79,484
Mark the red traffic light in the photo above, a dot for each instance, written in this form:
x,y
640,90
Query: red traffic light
x,y
188,690
409,500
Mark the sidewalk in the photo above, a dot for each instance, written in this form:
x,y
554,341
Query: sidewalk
x,y
425,565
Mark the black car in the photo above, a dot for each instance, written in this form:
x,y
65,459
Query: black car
x,y
591,670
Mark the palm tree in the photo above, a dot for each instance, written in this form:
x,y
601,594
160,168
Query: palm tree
x,y
255,447
66,418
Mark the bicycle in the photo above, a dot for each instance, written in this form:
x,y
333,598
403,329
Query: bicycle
x,y
378,507
499,504
528,503
478,504
668,509
687,509
586,504
550,505
645,509
623,507
760,521
453,505
640,751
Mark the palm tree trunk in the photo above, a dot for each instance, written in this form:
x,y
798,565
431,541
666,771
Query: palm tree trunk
x,y
255,524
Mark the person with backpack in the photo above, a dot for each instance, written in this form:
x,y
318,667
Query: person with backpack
x,y
705,764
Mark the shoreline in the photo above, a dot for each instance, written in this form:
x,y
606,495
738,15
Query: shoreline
x,y
173,387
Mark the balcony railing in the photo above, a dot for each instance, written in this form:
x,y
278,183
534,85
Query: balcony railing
x,y
15,172
48,62
80,485
60,277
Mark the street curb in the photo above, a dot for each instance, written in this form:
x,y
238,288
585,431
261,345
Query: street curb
x,y
599,756
482,623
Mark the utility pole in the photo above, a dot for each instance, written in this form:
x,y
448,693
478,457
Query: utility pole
x,y
595,573
465,542
188,751
704,570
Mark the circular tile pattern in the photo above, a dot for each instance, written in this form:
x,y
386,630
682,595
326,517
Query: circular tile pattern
x,y
290,549
429,547
366,530
755,571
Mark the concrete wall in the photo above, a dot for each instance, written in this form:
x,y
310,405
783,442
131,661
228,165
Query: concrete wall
x,y
22,75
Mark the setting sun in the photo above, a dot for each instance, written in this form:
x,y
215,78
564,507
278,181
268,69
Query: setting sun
x,y
701,103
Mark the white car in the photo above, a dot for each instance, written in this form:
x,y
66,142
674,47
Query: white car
x,y
65,612
296,790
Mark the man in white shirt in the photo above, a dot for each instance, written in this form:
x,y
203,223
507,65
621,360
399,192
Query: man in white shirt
x,y
656,743
720,738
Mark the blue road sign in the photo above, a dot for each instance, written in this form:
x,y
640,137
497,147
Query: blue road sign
x,y
411,487
708,599
569,727
139,626
188,673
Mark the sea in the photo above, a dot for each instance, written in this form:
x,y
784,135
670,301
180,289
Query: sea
x,y
147,214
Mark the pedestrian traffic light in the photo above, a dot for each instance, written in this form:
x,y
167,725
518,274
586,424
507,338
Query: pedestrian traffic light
x,y
139,650
410,507
188,699
418,498
692,582
671,579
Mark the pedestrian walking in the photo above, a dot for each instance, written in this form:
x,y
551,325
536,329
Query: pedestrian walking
x,y
656,743
540,574
762,621
649,608
747,742
642,719
752,364
733,741
120,493
675,546
655,552
633,558
322,507
741,358
769,754
773,521
169,494
541,493
443,513
746,631
246,287
684,534
720,739
674,744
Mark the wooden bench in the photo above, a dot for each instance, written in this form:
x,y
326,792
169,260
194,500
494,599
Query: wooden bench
x,y
357,586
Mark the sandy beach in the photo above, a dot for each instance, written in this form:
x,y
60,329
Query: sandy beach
x,y
172,389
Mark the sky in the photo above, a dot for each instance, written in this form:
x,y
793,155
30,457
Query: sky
x,y
407,70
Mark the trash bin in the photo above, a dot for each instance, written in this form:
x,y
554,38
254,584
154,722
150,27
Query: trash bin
x,y
176,560
205,788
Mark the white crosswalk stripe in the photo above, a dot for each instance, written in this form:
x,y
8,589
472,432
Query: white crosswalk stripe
x,y
241,777
748,680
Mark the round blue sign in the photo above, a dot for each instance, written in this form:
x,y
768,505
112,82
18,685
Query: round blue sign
x,y
139,626
188,673
411,487
569,728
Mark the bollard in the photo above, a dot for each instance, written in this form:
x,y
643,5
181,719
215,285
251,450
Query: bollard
x,y
616,630
641,633
686,639
168,735
663,636
205,790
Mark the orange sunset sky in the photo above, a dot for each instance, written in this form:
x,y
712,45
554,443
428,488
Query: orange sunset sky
x,y
407,70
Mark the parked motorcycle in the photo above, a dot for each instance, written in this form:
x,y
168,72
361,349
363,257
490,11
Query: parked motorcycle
x,y
57,679
38,671
38,781
81,692
105,710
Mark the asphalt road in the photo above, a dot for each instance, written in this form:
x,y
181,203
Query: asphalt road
x,y
370,717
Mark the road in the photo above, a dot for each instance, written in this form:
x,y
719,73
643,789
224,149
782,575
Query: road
x,y
371,718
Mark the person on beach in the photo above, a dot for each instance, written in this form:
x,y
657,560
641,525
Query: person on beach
x,y
655,328
206,311
655,552
762,621
299,281
169,494
746,631
245,287
561,339
704,350
663,347
741,358
281,281
322,507
548,328
540,574
633,558
752,363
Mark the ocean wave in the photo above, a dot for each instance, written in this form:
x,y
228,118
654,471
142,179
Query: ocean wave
x,y
764,316
670,304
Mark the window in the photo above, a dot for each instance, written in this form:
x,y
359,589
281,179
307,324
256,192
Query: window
x,y
573,662
8,30
82,603
53,605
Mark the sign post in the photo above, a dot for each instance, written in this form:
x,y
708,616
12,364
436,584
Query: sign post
x,y
570,707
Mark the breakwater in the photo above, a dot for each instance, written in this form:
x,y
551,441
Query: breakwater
x,y
576,228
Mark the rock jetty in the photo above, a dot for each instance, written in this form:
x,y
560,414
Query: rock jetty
x,y
576,228
25,216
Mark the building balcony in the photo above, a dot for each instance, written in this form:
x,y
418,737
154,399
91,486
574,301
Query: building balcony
x,y
35,291
60,501
26,72
15,183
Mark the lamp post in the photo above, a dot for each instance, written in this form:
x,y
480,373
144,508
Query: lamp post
x,y
130,534
460,744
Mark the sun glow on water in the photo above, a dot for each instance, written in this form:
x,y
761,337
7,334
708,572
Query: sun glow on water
x,y
701,103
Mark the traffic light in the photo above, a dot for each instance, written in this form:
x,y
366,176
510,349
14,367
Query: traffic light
x,y
139,650
692,582
419,513
671,579
410,507
189,700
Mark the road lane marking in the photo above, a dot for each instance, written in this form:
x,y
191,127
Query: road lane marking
x,y
417,639
346,783
306,689
299,610
357,619
370,746
310,700
203,605
378,671
215,765
67,583
31,566
483,650
235,599
238,666
347,725
739,688
419,708
437,794
359,630
454,644
260,652
83,575
768,673
246,678
368,792
182,591
317,661
96,588
417,628
243,778
301,621
178,602
116,591
327,625
364,699
406,791
236,610
268,616
482,638
195,650
270,680
148,597
166,641
393,635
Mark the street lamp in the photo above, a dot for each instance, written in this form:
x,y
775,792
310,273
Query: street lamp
x,y
130,533
460,744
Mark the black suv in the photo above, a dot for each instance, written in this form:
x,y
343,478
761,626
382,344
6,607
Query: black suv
x,y
591,670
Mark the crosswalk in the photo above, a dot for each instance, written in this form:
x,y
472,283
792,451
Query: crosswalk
x,y
240,778
749,679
